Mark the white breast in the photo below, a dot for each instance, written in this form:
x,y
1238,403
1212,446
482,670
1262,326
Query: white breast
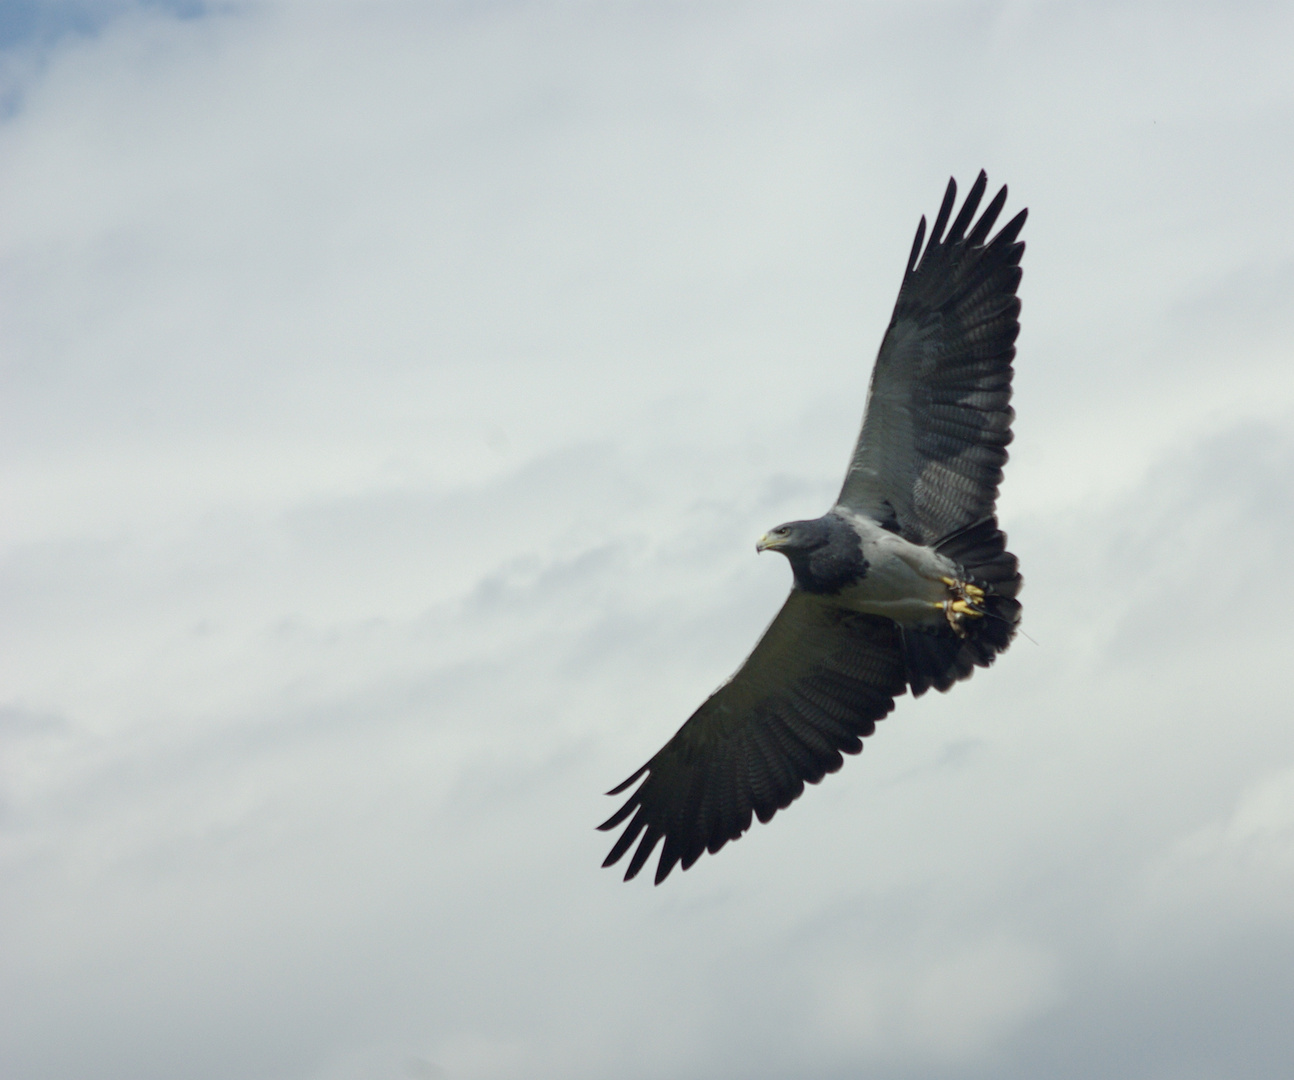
x,y
903,580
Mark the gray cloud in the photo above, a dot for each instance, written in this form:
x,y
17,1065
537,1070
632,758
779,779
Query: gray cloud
x,y
394,395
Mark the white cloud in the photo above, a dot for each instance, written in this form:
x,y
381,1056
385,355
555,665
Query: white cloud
x,y
394,394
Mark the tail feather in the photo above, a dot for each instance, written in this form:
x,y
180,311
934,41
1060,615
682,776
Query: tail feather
x,y
938,657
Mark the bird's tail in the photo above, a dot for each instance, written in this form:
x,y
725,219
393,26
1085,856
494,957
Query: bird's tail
x,y
939,656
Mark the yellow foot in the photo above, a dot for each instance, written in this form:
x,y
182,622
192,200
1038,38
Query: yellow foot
x,y
964,605
964,588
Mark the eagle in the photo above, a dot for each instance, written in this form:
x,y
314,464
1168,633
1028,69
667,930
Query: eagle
x,y
904,584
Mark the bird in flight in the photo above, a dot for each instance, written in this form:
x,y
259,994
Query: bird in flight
x,y
905,583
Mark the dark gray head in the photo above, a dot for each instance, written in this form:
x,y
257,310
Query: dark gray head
x,y
825,553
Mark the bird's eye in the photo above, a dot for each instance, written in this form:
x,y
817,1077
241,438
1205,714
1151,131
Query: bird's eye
x,y
783,531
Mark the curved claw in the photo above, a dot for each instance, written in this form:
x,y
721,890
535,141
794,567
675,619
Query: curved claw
x,y
964,604
964,589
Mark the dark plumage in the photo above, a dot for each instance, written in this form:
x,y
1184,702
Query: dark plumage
x,y
905,583
825,554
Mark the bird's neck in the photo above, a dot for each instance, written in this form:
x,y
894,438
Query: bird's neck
x,y
831,566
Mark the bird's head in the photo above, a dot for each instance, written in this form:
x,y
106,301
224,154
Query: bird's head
x,y
795,538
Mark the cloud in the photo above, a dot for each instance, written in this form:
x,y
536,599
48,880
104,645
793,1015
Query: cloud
x,y
394,395
942,1011
1239,866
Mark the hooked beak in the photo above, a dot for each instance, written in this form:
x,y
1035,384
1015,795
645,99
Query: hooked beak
x,y
767,543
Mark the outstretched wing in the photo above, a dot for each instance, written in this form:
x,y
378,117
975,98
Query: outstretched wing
x,y
816,683
930,455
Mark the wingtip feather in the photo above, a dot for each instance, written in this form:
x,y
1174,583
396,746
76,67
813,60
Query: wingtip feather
x,y
971,204
916,244
624,784
986,219
643,851
618,816
945,211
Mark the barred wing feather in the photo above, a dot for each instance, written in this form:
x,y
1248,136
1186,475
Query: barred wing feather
x,y
816,684
929,458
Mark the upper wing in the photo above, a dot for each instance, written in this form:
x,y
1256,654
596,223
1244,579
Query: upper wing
x,y
816,683
929,458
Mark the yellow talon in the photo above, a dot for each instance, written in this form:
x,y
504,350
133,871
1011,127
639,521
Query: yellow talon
x,y
964,588
973,591
964,603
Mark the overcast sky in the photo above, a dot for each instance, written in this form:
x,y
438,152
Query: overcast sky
x,y
393,395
